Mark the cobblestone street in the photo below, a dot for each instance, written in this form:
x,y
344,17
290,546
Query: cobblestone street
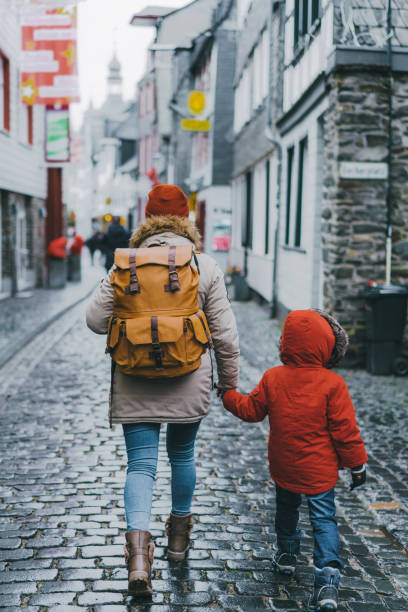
x,y
63,470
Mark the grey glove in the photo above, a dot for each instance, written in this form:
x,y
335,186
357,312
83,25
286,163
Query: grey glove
x,y
358,476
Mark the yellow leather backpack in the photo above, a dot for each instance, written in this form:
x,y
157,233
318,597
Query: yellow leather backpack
x,y
157,329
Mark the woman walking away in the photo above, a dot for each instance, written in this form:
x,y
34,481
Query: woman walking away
x,y
162,306
313,434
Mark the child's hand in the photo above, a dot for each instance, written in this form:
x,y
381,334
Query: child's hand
x,y
358,476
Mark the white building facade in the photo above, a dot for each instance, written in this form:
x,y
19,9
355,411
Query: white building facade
x,y
335,100
256,159
23,175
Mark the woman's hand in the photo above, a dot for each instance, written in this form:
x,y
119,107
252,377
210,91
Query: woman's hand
x,y
219,391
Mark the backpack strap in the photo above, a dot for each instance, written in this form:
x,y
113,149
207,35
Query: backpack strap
x,y
134,286
210,347
196,261
174,283
157,353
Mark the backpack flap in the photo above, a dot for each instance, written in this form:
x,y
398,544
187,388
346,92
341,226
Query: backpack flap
x,y
155,342
139,331
153,255
201,329
198,329
136,270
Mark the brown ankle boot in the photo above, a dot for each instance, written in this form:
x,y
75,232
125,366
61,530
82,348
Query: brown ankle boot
x,y
178,529
139,559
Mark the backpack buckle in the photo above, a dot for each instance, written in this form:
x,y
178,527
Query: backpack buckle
x,y
157,355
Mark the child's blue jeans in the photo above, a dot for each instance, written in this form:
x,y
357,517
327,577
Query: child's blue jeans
x,y
142,445
322,514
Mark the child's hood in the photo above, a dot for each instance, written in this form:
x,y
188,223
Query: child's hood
x,y
307,339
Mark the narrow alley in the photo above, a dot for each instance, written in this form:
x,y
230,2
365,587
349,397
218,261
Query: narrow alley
x,y
62,518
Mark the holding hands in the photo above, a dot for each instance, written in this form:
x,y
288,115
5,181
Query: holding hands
x,y
219,391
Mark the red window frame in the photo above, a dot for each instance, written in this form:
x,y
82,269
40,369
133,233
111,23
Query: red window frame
x,y
6,91
30,123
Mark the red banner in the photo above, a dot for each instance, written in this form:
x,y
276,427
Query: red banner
x,y
48,58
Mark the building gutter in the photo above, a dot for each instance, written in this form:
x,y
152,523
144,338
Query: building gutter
x,y
388,248
270,134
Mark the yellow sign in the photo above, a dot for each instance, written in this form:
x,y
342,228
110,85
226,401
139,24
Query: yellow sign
x,y
196,125
196,102
192,199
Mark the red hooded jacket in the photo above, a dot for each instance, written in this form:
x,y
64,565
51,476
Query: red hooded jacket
x,y
313,429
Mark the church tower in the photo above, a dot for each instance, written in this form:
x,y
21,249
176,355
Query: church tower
x,y
115,80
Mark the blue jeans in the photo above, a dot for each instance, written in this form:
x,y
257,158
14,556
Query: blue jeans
x,y
322,514
142,446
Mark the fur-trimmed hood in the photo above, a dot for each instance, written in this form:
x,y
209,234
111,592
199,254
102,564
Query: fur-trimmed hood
x,y
340,336
165,225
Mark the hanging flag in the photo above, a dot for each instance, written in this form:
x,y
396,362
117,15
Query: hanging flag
x,y
48,59
50,4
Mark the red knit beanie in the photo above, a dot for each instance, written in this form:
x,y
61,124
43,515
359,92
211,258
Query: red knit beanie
x,y
167,200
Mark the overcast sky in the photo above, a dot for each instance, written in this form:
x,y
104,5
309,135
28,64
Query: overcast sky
x,y
100,23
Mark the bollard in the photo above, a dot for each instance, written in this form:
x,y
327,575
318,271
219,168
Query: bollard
x,y
57,273
74,268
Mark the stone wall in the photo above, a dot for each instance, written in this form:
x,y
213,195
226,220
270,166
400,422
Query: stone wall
x,y
354,212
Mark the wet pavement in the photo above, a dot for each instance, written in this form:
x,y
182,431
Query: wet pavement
x,y
31,311
63,470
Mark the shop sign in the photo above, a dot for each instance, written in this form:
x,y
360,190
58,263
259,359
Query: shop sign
x,y
57,149
364,170
196,102
196,125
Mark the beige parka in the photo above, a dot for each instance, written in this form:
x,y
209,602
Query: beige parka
x,y
176,400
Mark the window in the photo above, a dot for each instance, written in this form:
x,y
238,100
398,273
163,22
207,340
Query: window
x,y
4,92
247,213
200,150
30,126
201,142
25,118
267,204
295,184
142,162
142,109
299,195
127,150
289,172
148,153
306,14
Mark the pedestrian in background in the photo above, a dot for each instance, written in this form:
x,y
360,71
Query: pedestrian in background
x,y
142,405
95,243
116,237
313,434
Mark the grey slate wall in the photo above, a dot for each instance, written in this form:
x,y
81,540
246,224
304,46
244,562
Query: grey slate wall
x,y
250,143
181,141
354,211
257,19
223,122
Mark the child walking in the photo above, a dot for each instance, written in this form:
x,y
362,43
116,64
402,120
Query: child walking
x,y
313,434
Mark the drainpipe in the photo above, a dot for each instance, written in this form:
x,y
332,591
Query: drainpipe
x,y
271,136
388,256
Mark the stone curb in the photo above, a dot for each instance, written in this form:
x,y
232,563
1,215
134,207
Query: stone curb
x,y
38,330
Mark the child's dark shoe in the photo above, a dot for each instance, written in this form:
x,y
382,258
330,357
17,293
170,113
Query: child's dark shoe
x,y
325,593
285,563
